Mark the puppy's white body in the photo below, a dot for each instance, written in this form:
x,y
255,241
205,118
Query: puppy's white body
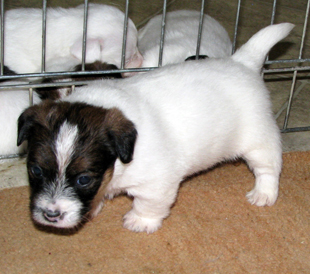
x,y
181,32
64,34
189,117
12,104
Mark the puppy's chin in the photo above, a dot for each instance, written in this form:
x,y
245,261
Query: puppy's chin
x,y
65,222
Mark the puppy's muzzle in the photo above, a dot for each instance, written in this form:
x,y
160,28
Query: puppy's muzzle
x,y
53,216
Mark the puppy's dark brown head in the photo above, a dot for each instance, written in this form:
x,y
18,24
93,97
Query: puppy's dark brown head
x,y
70,149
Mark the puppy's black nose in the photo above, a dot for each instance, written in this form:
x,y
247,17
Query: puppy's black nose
x,y
52,216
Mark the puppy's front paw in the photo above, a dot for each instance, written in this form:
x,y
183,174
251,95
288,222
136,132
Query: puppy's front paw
x,y
261,198
136,223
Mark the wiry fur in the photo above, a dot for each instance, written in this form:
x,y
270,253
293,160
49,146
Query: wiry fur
x,y
188,117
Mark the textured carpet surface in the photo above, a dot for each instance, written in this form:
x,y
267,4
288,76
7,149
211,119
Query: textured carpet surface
x,y
211,229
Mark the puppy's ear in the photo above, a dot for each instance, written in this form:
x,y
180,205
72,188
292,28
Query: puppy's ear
x,y
93,50
123,134
37,116
135,61
25,122
124,142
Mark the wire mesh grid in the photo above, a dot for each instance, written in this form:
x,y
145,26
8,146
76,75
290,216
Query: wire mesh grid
x,y
293,66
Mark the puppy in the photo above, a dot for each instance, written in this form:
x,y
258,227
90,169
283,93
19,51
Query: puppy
x,y
181,33
143,135
64,35
14,101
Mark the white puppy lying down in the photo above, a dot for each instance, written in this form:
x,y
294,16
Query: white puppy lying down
x,y
145,134
14,101
181,34
64,34
12,104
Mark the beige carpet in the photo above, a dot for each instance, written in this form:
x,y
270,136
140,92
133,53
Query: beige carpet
x,y
212,229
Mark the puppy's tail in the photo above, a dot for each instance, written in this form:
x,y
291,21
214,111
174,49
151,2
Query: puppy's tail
x,y
253,53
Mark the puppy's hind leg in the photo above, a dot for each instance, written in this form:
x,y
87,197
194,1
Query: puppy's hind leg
x,y
149,208
266,164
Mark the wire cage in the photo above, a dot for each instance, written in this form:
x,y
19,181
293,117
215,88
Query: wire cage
x,y
292,69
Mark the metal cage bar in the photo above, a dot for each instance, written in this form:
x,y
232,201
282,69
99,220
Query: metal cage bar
x,y
274,6
85,19
162,34
288,110
44,9
125,35
2,37
236,26
200,28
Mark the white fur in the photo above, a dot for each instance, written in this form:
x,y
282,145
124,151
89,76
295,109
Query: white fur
x,y
65,145
23,37
12,103
181,32
58,199
189,117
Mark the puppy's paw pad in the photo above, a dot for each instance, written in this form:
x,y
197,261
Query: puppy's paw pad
x,y
259,198
136,223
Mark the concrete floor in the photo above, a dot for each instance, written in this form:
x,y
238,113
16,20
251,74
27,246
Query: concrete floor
x,y
254,16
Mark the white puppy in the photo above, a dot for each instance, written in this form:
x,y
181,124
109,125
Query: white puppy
x,y
64,34
14,101
181,33
12,104
145,134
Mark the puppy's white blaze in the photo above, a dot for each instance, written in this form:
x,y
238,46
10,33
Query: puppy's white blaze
x,y
58,197
65,144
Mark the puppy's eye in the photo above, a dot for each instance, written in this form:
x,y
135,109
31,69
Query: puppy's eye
x,y
37,171
83,181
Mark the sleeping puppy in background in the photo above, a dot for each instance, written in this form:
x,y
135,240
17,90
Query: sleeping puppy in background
x,y
181,33
12,104
143,135
14,101
64,35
